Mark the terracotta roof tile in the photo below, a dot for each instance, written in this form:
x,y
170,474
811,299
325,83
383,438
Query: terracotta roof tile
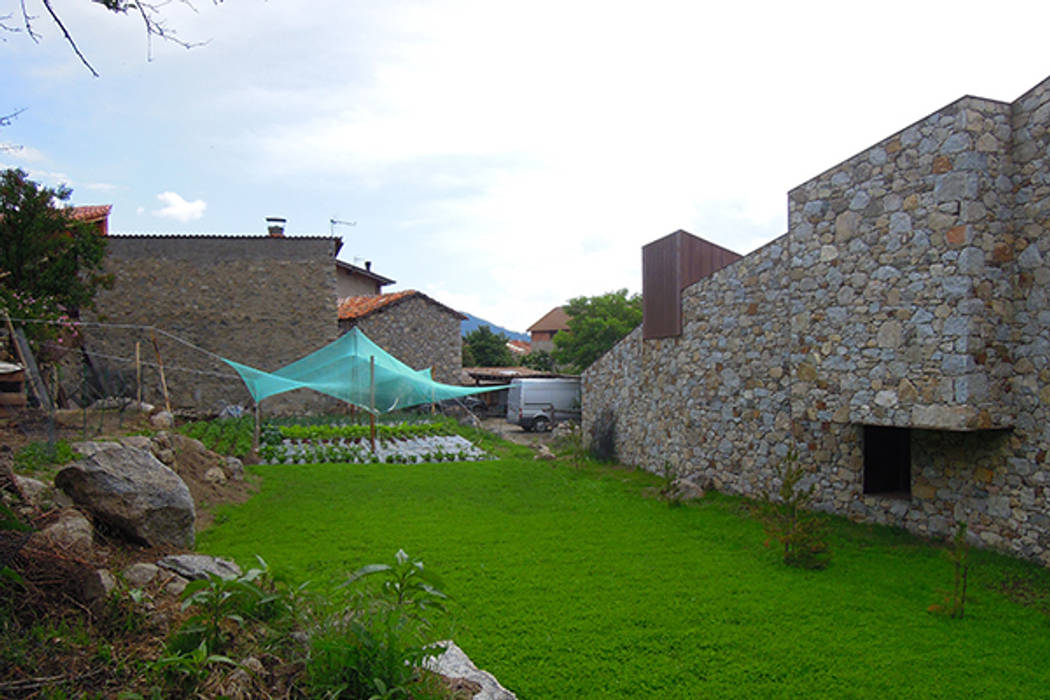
x,y
353,308
91,213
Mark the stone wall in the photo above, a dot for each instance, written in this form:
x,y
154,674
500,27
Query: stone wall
x,y
909,292
418,332
261,301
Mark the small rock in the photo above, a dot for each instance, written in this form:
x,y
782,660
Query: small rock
x,y
682,489
235,469
72,533
32,489
96,586
544,453
162,441
454,663
141,442
198,566
162,420
214,475
140,574
175,586
91,448
166,457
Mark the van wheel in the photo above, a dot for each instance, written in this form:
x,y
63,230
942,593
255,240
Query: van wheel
x,y
541,425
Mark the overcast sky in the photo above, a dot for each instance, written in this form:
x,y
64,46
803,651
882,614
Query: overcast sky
x,y
501,157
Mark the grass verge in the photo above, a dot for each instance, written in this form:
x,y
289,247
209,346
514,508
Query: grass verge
x,y
570,583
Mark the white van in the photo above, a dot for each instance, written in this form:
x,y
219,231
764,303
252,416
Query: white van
x,y
539,404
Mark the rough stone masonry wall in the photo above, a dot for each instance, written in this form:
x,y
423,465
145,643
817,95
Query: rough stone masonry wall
x,y
420,334
915,296
263,302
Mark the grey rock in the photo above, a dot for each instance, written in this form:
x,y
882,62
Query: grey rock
x,y
139,442
32,489
90,447
215,475
140,574
134,493
96,586
162,420
198,566
235,469
454,663
72,533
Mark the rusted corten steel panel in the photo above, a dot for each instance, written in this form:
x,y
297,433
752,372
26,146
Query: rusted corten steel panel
x,y
669,265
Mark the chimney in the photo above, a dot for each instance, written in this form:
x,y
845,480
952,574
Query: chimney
x,y
669,265
275,226
368,265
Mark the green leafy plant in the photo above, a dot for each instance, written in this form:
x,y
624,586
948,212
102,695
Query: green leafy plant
x,y
223,603
958,553
184,671
788,520
375,648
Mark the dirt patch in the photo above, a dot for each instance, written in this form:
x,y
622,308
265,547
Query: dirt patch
x,y
515,433
209,478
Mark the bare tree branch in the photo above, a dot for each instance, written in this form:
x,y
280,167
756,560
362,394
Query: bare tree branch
x,y
151,12
69,38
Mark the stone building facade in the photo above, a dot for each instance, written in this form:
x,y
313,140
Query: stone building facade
x,y
897,337
262,301
412,327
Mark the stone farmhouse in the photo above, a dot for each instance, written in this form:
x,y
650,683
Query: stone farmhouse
x,y
262,300
412,327
897,338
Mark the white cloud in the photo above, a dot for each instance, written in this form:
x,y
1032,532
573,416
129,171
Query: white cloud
x,y
179,209
100,187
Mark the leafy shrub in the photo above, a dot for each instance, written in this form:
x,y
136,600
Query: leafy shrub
x,y
224,603
958,553
788,520
376,645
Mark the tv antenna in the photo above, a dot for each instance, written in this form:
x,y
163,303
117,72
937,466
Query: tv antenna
x,y
332,223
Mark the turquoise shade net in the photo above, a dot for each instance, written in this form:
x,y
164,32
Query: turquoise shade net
x,y
343,369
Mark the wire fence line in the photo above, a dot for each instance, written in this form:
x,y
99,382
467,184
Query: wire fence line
x,y
94,360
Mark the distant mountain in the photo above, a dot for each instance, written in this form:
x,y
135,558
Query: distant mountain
x,y
473,322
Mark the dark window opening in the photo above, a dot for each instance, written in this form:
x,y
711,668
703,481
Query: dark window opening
x,y
887,461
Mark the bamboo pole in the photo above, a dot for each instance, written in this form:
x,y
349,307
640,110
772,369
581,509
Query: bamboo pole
x,y
160,364
255,441
372,400
138,371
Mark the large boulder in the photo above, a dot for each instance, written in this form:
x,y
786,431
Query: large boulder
x,y
130,490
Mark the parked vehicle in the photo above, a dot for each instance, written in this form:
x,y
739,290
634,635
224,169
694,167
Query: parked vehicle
x,y
540,404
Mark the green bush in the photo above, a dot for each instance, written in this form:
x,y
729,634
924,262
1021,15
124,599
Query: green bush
x,y
375,646
802,534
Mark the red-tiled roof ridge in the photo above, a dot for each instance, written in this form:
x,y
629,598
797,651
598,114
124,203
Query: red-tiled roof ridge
x,y
554,320
353,308
89,213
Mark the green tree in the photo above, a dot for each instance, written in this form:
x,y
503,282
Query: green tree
x,y
50,265
539,360
595,325
487,348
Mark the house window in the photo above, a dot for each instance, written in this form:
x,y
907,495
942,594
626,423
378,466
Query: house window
x,y
887,461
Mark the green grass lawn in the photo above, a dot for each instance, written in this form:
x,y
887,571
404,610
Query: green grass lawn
x,y
572,583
